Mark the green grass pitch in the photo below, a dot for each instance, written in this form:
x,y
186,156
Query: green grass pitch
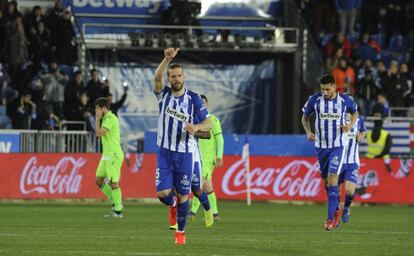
x,y
50,228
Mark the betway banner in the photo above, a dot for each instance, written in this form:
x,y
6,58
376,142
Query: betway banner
x,y
137,7
271,178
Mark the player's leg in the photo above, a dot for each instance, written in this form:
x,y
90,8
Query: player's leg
x,y
183,163
200,197
100,180
351,180
208,187
114,175
164,179
336,158
196,188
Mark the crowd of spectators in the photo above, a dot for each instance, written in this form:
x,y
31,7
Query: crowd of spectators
x,y
354,36
38,87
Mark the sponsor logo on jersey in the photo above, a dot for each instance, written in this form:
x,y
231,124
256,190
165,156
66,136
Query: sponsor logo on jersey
x,y
176,115
329,116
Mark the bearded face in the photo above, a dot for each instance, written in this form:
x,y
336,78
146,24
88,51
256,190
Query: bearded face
x,y
176,79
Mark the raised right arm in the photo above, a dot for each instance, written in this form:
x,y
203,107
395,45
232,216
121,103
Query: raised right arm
x,y
169,54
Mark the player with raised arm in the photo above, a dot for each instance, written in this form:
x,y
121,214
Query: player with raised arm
x,y
109,168
331,137
351,166
175,139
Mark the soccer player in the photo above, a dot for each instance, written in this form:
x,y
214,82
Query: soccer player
x,y
350,168
212,156
331,137
196,187
176,128
109,167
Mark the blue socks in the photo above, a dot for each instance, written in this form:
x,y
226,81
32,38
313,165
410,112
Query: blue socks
x,y
348,200
182,212
332,201
204,201
168,200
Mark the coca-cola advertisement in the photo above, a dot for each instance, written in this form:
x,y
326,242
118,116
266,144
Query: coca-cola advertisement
x,y
270,178
298,178
69,176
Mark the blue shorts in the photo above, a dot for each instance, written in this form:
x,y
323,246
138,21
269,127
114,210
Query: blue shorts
x,y
196,181
174,170
331,160
349,173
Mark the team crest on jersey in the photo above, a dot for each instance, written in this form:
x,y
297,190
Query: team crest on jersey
x,y
185,181
335,161
329,116
176,114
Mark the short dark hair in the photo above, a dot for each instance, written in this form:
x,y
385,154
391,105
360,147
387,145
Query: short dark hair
x,y
204,97
174,66
102,102
327,79
93,70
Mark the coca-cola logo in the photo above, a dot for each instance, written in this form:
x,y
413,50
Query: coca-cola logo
x,y
297,178
61,178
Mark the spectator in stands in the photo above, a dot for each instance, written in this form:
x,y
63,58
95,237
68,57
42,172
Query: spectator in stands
x,y
11,14
367,48
325,17
46,119
370,15
114,107
16,47
382,106
53,19
396,88
21,111
73,91
2,33
344,77
331,63
372,71
395,18
382,73
338,41
7,93
347,10
96,88
66,47
54,86
40,44
32,19
405,76
366,92
81,112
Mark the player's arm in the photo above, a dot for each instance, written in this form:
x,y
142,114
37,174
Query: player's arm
x,y
354,114
205,125
100,131
203,134
218,135
306,127
169,54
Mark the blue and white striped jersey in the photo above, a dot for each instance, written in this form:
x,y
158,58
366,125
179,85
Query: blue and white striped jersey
x,y
174,113
330,117
352,156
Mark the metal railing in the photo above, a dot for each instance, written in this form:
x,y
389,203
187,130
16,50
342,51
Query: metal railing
x,y
280,38
59,142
